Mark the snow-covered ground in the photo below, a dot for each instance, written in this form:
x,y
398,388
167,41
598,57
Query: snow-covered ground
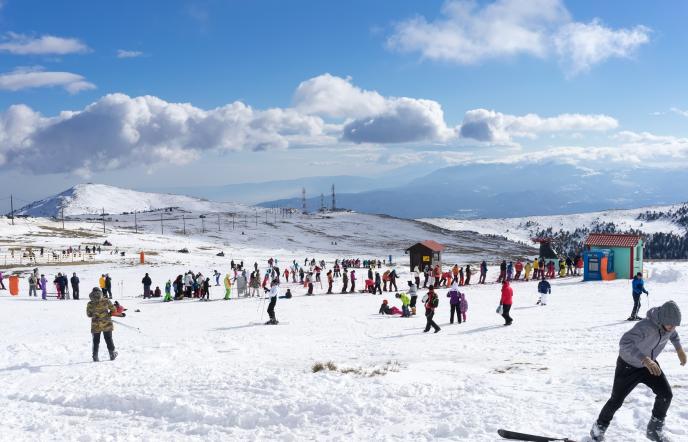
x,y
522,228
206,371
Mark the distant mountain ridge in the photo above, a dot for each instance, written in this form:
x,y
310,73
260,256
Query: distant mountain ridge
x,y
96,198
506,190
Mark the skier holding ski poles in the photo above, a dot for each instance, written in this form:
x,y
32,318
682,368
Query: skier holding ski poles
x,y
638,290
273,293
637,364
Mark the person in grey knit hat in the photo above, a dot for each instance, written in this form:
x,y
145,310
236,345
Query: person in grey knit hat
x,y
637,364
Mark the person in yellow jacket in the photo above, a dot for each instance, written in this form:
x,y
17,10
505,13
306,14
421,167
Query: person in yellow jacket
x,y
405,301
101,282
527,270
228,286
536,269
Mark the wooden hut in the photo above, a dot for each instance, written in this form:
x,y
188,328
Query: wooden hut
x,y
425,253
625,253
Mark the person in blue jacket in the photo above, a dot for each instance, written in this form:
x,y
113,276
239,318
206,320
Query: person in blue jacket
x,y
638,289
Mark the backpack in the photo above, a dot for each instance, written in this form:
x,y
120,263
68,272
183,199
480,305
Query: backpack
x,y
435,301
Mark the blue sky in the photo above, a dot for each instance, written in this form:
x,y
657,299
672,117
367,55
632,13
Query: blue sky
x,y
276,89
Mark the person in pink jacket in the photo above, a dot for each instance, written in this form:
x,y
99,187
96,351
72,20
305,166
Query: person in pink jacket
x,y
506,301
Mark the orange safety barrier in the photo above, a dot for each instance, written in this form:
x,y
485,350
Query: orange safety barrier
x,y
14,285
142,258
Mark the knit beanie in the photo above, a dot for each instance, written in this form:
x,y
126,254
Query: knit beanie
x,y
96,294
669,314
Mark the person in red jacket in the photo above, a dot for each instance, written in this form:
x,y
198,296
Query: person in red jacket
x,y
519,268
506,301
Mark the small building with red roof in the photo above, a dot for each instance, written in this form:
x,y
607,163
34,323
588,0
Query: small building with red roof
x,y
612,256
424,253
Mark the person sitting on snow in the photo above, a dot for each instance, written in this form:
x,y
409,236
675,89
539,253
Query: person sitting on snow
x,y
119,310
386,310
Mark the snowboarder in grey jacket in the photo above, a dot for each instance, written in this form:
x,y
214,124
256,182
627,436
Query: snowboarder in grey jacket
x,y
637,364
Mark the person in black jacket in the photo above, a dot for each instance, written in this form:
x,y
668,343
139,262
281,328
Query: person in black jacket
x,y
75,286
146,281
502,271
108,285
377,287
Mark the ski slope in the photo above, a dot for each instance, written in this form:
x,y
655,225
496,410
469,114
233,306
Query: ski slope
x,y
195,371
203,371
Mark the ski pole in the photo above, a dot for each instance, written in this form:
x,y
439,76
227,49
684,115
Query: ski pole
x,y
126,325
261,308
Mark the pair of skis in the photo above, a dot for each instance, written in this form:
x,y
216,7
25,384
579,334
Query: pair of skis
x,y
506,434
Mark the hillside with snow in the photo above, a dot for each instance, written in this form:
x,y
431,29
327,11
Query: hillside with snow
x,y
211,371
94,198
522,229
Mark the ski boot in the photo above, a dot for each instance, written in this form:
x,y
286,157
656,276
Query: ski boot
x,y
655,430
113,355
597,432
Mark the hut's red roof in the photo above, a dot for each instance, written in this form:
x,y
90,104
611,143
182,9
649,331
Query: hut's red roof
x,y
612,240
432,245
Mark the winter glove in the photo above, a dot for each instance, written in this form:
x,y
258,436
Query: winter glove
x,y
651,366
681,356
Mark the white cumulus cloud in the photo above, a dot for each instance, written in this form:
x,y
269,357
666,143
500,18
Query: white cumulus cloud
x,y
119,131
581,45
495,127
336,97
468,33
27,78
370,117
22,44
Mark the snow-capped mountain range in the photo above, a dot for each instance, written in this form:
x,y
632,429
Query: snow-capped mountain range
x,y
95,198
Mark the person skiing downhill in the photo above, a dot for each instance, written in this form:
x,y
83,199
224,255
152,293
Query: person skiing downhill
x,y
638,288
637,364
100,310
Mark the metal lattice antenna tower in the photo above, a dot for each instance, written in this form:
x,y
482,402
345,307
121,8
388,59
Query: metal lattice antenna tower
x,y
334,205
303,200
322,202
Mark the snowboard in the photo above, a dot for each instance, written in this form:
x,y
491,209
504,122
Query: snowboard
x,y
512,435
